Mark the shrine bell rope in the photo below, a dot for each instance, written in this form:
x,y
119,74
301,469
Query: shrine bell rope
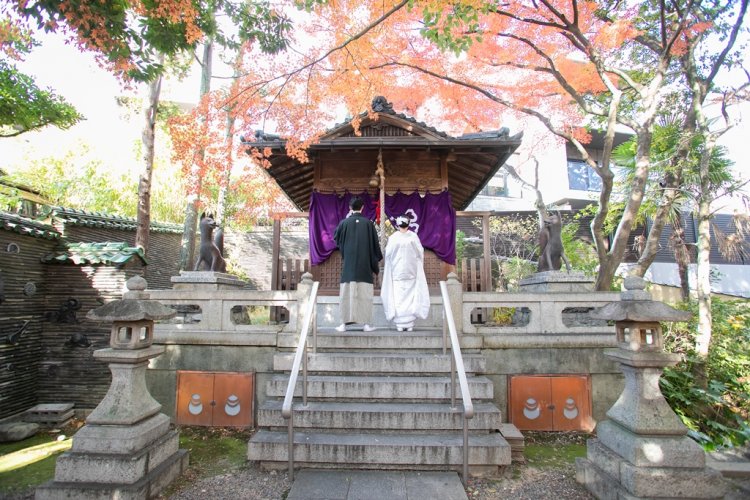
x,y
380,172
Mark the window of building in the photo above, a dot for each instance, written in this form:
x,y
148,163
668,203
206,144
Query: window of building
x,y
582,177
498,186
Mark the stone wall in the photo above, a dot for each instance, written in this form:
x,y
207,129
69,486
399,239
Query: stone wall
x,y
24,288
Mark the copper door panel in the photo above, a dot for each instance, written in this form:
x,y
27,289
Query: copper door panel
x,y
530,401
233,393
571,401
194,397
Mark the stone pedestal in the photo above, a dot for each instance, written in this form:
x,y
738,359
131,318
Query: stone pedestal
x,y
642,450
556,281
206,280
126,450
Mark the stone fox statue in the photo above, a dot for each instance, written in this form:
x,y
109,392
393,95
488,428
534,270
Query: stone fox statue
x,y
209,254
551,253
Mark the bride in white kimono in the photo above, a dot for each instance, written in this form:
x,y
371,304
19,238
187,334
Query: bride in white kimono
x,y
404,289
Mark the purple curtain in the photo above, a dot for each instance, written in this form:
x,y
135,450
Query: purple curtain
x,y
433,219
326,211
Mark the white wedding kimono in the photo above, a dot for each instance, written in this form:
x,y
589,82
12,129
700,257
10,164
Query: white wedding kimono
x,y
404,289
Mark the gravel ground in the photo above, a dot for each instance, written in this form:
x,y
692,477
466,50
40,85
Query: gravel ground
x,y
518,482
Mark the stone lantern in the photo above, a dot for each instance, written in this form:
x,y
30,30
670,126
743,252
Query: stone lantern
x,y
126,449
642,450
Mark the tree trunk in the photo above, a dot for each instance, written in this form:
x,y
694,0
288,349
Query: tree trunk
x,y
703,339
611,261
682,257
144,182
187,247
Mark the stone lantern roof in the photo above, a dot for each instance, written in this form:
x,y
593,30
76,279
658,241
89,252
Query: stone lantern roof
x,y
636,306
132,307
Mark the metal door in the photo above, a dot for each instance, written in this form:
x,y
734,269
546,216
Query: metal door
x,y
195,391
233,393
530,401
550,403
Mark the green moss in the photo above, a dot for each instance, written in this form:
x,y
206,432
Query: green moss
x,y
214,450
34,472
553,456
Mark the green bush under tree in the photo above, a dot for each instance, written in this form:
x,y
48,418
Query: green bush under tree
x,y
712,395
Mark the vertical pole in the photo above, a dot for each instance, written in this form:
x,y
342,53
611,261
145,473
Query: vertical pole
x,y
487,271
453,381
290,446
304,376
275,252
465,477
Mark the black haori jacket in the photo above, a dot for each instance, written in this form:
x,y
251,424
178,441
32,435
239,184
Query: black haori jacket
x,y
357,240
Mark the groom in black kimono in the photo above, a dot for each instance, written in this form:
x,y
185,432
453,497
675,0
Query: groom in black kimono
x,y
360,250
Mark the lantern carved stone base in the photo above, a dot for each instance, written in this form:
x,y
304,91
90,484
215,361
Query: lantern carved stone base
x,y
126,450
642,450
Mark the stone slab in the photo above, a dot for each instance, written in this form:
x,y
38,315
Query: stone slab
x,y
190,280
672,483
375,485
414,450
147,487
17,431
380,415
120,439
650,451
556,282
102,468
378,388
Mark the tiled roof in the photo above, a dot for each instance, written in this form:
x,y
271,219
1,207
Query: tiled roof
x,y
111,253
99,219
22,225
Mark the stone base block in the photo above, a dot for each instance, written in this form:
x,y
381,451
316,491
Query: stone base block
x,y
672,483
608,476
74,467
120,439
147,487
649,451
206,280
556,282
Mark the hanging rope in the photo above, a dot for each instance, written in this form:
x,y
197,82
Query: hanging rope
x,y
380,172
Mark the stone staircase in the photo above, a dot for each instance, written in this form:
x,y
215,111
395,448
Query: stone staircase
x,y
380,400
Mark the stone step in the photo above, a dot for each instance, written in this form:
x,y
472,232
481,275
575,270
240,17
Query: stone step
x,y
368,362
379,450
380,339
379,387
386,416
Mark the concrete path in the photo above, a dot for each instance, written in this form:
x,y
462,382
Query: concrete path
x,y
312,484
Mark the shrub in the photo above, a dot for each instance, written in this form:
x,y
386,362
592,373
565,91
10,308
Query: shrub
x,y
712,398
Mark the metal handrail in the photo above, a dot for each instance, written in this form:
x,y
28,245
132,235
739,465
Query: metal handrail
x,y
457,367
300,356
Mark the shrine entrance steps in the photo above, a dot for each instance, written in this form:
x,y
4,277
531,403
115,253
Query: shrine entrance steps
x,y
381,400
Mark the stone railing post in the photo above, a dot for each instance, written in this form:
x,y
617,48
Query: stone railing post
x,y
304,287
456,298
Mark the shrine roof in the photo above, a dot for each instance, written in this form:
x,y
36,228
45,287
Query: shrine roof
x,y
28,227
108,253
473,159
104,220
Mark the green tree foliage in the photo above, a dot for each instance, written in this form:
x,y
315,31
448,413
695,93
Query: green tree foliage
x,y
716,412
75,180
23,105
129,36
580,253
